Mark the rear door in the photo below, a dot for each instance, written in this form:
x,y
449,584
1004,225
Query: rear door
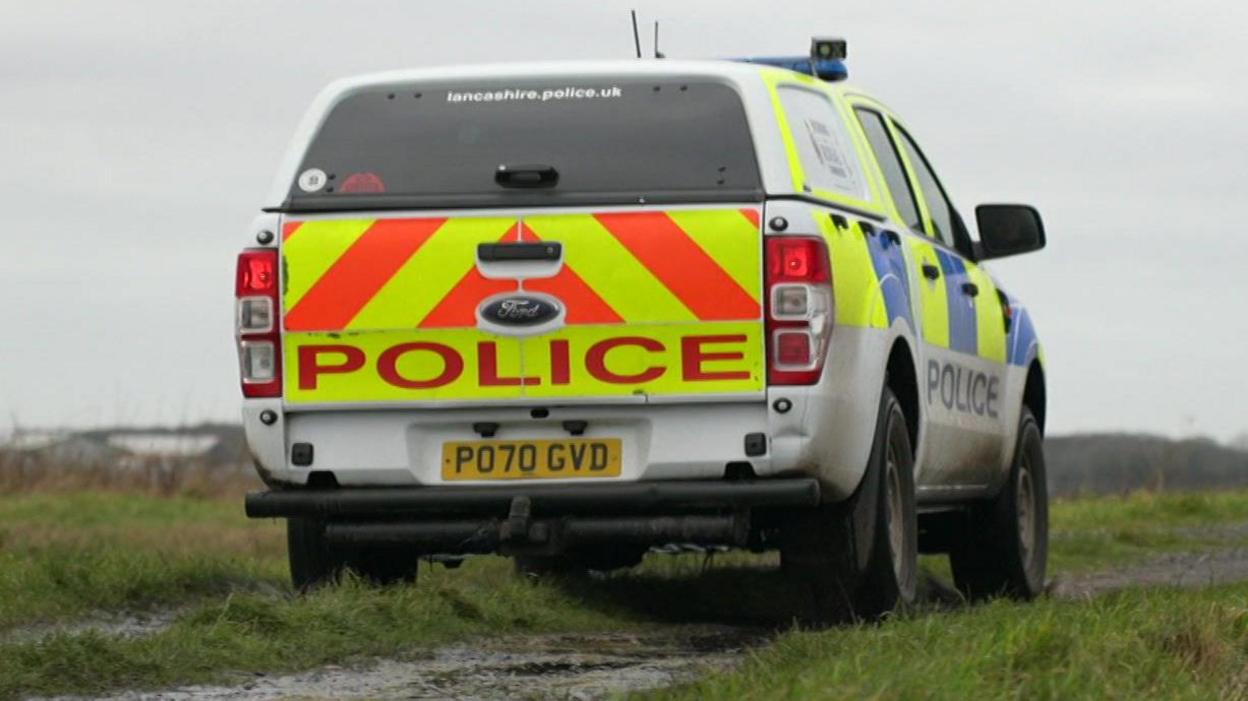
x,y
963,335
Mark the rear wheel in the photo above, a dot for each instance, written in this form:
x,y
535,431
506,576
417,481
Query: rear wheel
x,y
314,561
1004,545
859,557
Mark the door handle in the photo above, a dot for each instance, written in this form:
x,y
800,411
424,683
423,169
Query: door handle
x,y
931,272
970,289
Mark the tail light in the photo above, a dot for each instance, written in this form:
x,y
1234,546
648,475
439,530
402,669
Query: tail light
x,y
799,309
255,323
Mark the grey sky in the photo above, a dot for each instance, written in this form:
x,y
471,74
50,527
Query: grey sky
x,y
137,139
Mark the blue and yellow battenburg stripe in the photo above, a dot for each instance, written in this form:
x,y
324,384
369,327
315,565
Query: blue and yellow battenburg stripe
x,y
1022,337
963,331
874,288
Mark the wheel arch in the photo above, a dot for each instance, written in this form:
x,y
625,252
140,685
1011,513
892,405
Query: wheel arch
x,y
902,378
1034,393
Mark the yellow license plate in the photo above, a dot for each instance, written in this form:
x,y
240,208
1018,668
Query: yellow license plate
x,y
513,460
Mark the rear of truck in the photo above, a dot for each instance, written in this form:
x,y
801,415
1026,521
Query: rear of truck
x,y
529,313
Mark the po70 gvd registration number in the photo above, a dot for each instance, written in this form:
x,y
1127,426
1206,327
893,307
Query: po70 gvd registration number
x,y
505,460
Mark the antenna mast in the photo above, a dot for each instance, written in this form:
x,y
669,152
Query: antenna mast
x,y
636,35
657,53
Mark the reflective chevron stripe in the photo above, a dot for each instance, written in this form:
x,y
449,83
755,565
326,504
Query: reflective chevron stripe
x,y
632,267
652,302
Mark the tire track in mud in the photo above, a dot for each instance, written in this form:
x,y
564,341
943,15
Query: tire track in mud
x,y
1184,569
584,666
113,625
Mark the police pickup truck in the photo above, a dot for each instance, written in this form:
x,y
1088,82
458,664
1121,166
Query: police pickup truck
x,y
569,312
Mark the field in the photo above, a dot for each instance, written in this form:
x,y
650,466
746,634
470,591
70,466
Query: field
x,y
114,589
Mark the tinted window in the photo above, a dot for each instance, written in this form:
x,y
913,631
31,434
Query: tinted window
x,y
610,141
938,206
890,163
823,144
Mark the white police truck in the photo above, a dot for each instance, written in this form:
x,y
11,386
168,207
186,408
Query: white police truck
x,y
569,312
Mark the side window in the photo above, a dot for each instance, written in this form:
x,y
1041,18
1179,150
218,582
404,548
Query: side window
x,y
938,206
823,143
890,163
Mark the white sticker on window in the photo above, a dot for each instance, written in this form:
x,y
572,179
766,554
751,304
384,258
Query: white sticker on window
x,y
831,153
312,180
828,158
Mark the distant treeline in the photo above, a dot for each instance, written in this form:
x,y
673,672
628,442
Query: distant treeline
x,y
1092,463
1110,463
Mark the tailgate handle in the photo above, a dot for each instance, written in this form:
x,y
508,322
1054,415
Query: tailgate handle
x,y
542,250
526,176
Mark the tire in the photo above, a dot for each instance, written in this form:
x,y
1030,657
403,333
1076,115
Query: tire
x,y
859,557
1004,545
314,562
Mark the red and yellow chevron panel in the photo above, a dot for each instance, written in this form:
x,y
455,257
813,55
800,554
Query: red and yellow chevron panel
x,y
636,287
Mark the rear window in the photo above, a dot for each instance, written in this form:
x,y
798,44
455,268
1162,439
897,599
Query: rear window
x,y
610,141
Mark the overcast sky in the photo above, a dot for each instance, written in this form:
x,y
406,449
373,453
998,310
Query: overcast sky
x,y
138,138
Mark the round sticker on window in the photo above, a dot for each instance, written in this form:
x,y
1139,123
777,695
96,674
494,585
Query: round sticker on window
x,y
312,180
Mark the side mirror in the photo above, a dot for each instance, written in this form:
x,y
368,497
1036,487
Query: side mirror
x,y
1008,230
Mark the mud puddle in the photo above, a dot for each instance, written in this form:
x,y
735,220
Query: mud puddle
x,y
586,666
113,625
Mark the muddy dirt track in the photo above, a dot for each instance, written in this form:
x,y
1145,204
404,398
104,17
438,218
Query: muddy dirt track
x,y
592,666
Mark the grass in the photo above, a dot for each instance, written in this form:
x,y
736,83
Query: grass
x,y
1094,533
68,555
1133,644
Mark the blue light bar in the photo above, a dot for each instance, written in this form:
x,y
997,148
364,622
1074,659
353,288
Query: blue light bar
x,y
830,70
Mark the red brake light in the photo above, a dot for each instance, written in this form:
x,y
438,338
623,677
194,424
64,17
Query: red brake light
x,y
255,327
797,259
257,272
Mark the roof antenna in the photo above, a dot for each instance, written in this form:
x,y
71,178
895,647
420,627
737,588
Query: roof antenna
x,y
636,36
657,53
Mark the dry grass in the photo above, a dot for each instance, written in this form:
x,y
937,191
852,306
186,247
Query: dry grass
x,y
26,472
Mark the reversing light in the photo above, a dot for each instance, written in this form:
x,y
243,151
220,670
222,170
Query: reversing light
x,y
255,314
790,301
259,361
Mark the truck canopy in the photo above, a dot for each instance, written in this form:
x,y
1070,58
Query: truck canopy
x,y
603,140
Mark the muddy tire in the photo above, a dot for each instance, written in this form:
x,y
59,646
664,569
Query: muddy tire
x,y
314,562
1004,545
859,557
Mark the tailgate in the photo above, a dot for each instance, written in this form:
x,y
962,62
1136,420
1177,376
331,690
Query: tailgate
x,y
619,304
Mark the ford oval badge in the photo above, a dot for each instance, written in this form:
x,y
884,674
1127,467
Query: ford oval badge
x,y
519,310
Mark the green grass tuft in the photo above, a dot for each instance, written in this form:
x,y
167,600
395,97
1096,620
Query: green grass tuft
x,y
1134,644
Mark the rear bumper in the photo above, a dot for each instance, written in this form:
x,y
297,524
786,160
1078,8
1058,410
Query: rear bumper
x,y
403,447
422,503
542,518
